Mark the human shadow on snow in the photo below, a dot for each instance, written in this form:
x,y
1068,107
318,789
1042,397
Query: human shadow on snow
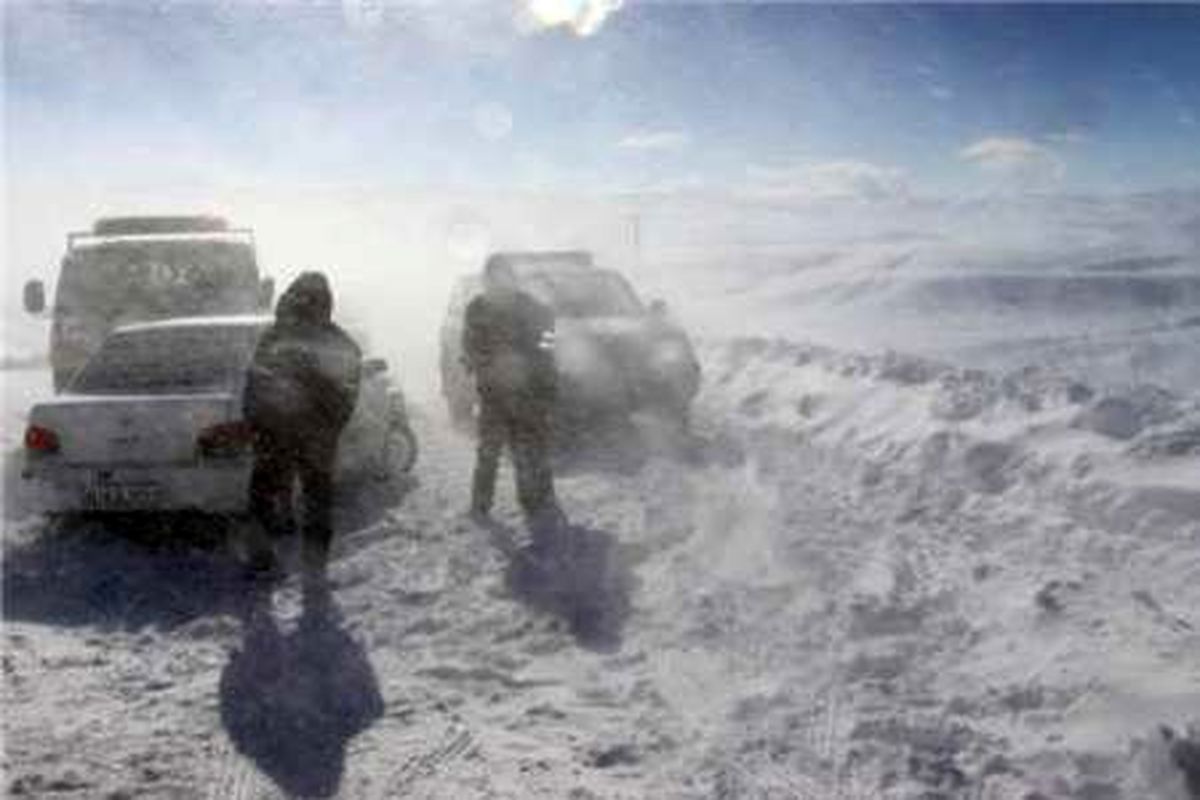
x,y
580,575
291,702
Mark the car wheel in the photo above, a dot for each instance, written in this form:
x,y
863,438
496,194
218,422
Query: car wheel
x,y
400,452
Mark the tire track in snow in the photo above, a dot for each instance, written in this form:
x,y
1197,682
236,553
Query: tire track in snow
x,y
425,765
234,777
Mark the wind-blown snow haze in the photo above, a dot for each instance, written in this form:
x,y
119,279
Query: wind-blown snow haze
x,y
929,527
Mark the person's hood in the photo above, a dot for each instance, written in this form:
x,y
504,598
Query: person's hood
x,y
307,301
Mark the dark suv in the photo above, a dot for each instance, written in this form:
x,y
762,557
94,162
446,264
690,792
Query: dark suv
x,y
614,355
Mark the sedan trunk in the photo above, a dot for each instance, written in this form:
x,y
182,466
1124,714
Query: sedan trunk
x,y
143,430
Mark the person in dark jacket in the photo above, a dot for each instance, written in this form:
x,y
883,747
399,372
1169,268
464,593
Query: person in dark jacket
x,y
508,340
301,388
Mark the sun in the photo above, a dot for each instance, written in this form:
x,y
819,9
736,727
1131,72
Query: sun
x,y
583,17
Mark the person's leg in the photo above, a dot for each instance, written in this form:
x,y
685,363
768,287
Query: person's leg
x,y
532,462
492,434
271,483
270,489
316,484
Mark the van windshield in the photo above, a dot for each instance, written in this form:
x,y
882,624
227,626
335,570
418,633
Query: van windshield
x,y
144,280
191,360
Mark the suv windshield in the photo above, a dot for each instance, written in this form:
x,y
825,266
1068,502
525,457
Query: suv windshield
x,y
593,293
169,361
142,280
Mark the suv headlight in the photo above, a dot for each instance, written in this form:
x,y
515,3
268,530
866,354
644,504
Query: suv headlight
x,y
576,355
671,354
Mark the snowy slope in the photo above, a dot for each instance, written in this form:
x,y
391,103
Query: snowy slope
x,y
917,551
840,595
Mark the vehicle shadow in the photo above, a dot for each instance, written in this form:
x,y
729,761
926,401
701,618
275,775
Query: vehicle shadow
x,y
580,575
14,499
292,702
121,575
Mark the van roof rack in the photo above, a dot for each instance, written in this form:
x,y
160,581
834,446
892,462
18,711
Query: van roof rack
x,y
131,226
547,259
158,227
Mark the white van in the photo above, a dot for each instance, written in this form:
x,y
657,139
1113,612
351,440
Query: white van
x,y
133,269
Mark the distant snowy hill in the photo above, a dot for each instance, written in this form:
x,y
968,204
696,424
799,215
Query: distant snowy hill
x,y
1105,287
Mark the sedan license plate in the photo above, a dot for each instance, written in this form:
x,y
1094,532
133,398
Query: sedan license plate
x,y
114,496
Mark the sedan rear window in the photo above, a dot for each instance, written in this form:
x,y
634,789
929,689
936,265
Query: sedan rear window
x,y
168,361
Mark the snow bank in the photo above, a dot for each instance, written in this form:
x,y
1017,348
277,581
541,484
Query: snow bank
x,y
937,433
1016,596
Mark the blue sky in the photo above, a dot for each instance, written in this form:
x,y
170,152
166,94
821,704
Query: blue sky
x,y
779,100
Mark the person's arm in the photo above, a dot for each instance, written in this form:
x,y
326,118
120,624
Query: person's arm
x,y
339,394
353,382
545,328
256,372
473,338
546,371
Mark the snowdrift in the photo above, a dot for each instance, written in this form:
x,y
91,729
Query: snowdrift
x,y
935,432
1019,618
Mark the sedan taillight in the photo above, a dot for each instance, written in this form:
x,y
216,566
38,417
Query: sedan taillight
x,y
41,440
225,440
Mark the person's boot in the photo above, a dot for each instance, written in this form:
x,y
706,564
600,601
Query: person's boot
x,y
314,558
261,564
479,514
262,568
317,605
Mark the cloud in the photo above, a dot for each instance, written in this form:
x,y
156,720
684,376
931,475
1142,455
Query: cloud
x,y
363,14
654,140
860,180
1014,157
1069,136
581,17
690,184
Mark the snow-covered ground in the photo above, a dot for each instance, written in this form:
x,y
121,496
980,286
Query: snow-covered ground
x,y
939,538
782,615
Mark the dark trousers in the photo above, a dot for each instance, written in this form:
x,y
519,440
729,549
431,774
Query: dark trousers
x,y
279,460
524,426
